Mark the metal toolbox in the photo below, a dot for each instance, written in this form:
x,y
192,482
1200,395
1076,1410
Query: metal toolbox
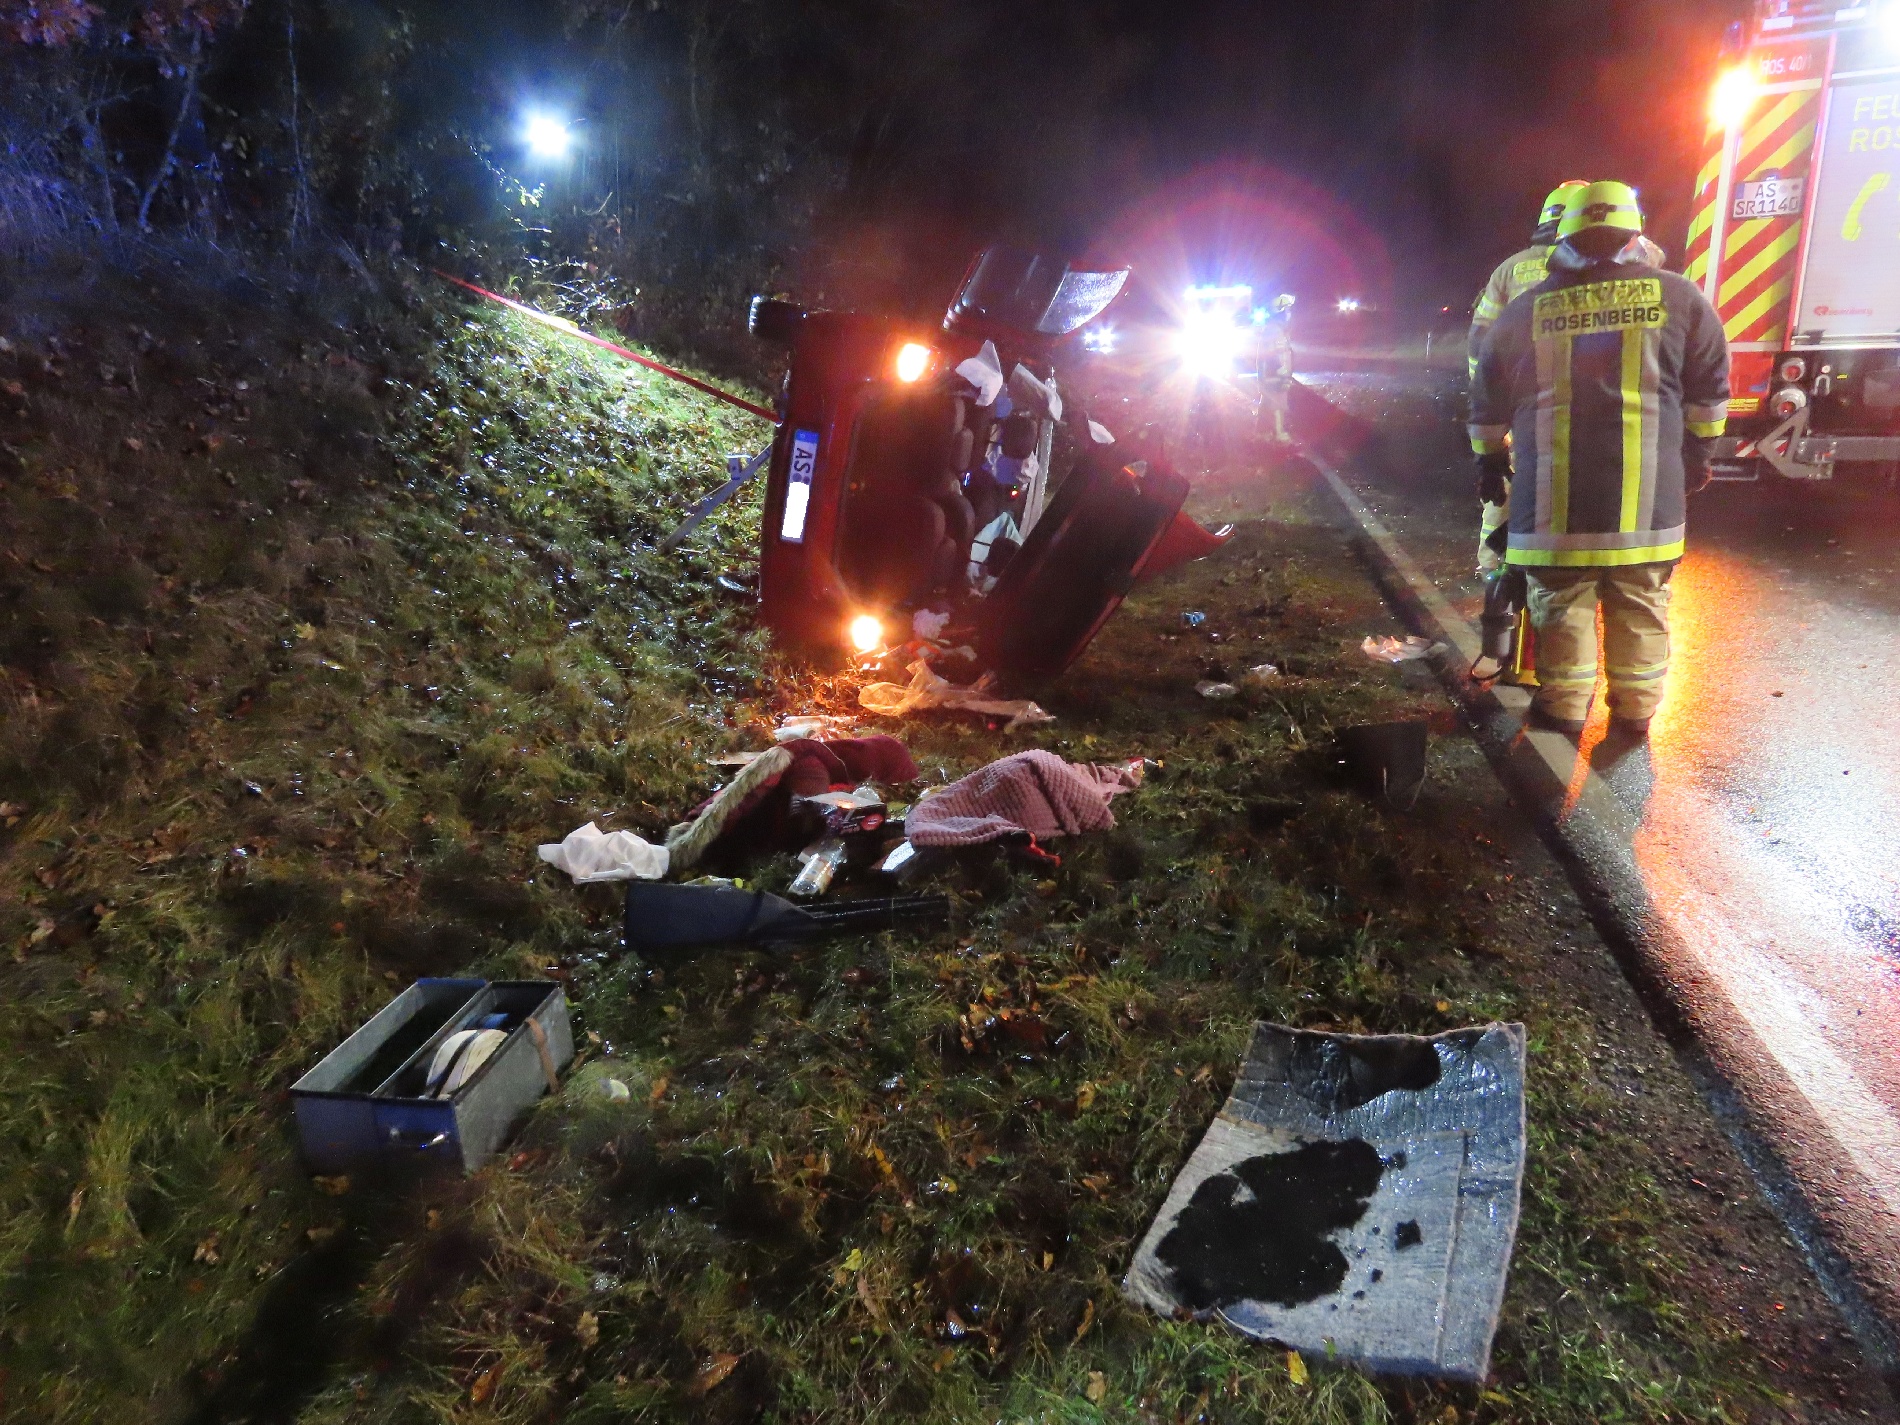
x,y
365,1110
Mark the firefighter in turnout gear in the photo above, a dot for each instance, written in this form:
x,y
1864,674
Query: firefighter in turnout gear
x,y
1513,277
1610,380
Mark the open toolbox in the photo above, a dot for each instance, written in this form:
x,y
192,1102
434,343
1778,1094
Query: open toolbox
x,y
436,1079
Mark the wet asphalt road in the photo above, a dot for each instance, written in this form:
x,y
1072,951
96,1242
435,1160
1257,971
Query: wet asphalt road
x,y
1766,801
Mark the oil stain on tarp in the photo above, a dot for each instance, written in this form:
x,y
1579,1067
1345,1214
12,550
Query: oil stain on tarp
x,y
1263,1230
1357,1196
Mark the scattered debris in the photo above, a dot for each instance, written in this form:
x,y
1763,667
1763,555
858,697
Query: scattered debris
x,y
806,725
589,854
1335,1154
668,917
1260,675
1215,691
1193,618
1395,650
929,624
927,689
1031,792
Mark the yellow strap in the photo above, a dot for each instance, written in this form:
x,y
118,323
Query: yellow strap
x,y
1632,430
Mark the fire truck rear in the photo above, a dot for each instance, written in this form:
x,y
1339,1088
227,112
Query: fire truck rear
x,y
1796,238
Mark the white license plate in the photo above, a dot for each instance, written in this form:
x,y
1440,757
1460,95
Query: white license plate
x,y
798,486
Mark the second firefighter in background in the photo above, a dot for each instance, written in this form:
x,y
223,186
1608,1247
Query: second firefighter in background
x,y
1610,380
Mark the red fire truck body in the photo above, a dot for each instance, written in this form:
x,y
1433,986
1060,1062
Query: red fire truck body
x,y
1796,237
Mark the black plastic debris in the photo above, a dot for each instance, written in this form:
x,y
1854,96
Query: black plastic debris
x,y
663,916
1386,760
1357,1197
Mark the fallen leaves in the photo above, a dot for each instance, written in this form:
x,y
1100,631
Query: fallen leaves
x,y
332,1186
712,1373
1097,1388
1296,1368
1088,1317
208,1251
587,1330
483,1390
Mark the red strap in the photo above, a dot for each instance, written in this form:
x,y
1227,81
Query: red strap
x,y
562,326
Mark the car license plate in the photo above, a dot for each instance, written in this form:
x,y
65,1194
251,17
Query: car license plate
x,y
798,486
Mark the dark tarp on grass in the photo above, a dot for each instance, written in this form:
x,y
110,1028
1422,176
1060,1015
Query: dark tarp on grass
x,y
1357,1196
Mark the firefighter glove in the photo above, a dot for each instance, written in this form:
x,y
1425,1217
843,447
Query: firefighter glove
x,y
1494,479
1696,470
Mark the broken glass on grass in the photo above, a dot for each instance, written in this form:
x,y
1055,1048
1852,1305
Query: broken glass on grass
x,y
1357,1197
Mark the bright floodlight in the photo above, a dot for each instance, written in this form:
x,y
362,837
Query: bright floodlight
x,y
547,136
1734,93
1348,305
1208,343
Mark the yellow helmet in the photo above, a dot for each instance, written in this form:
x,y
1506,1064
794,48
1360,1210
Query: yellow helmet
x,y
1602,205
1554,206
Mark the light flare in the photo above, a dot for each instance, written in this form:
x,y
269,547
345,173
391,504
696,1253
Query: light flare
x,y
866,633
546,136
913,360
1735,93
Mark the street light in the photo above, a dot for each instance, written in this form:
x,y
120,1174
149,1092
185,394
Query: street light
x,y
547,136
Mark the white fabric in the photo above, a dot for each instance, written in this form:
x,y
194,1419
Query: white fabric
x,y
590,854
1392,650
985,372
1100,434
927,689
1030,394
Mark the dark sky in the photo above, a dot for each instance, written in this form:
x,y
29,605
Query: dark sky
x,y
1397,147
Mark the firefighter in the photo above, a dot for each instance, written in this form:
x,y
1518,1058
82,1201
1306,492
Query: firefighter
x,y
1511,279
1276,368
1611,381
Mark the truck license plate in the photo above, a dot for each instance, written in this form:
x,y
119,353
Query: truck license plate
x,y
1770,197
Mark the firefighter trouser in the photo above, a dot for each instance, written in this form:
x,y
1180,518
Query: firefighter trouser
x,y
1563,606
1493,520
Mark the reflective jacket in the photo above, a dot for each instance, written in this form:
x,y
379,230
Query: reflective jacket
x,y
1600,377
1512,278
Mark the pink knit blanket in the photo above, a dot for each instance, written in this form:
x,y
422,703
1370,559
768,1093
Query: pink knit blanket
x,y
1036,792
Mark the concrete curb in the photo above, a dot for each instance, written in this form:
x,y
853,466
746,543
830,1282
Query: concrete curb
x,y
1592,834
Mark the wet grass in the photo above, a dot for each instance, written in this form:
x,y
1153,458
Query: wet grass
x,y
295,685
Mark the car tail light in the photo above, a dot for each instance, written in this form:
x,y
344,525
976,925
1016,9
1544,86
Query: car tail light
x,y
913,360
1793,369
865,632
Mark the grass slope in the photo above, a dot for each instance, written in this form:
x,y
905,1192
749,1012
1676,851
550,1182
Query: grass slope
x,y
319,613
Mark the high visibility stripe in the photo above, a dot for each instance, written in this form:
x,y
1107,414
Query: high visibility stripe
x,y
1633,343
1708,430
1758,256
1560,438
1488,440
1770,254
1799,143
1648,672
1745,321
1701,222
1711,170
1770,123
1594,558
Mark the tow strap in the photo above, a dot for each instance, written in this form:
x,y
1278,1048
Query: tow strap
x,y
563,325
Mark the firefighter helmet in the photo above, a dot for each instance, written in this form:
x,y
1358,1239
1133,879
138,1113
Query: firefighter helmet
x,y
1602,205
1553,211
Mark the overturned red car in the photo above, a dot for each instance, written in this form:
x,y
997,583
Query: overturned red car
x,y
910,477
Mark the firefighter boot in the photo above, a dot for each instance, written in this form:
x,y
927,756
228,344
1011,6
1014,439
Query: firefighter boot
x,y
1635,640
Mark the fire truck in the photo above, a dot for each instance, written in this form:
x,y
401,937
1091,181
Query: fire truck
x,y
1795,237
